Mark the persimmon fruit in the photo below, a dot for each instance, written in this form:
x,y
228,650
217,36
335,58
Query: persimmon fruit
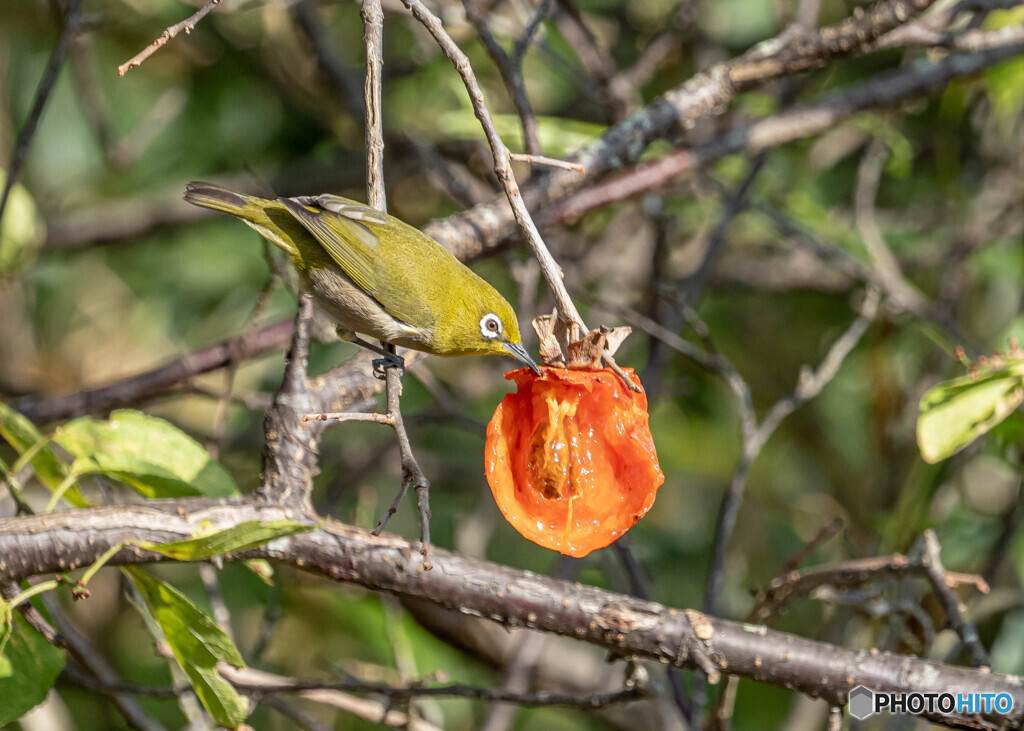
x,y
570,458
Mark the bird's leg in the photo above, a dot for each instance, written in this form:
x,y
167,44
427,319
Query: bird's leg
x,y
390,358
411,472
392,367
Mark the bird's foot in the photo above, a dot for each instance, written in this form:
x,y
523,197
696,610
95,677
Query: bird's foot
x,y
390,360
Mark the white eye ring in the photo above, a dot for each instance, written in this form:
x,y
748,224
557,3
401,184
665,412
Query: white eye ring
x,y
490,326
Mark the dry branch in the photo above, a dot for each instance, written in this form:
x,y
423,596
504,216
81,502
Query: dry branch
x,y
64,541
187,25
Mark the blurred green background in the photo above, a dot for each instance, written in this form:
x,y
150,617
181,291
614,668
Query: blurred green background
x,y
126,277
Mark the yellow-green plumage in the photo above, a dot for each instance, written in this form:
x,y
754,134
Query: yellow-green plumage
x,y
376,275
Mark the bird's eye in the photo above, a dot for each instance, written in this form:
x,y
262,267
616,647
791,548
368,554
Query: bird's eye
x,y
490,326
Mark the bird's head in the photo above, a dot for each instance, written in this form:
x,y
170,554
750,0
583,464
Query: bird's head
x,y
489,327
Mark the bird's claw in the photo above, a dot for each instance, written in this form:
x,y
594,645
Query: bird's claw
x,y
381,365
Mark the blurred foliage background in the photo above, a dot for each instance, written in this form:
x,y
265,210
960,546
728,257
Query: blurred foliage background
x,y
107,274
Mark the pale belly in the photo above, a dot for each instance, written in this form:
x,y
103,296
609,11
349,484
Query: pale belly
x,y
354,310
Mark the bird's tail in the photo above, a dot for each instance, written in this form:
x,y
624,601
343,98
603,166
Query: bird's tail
x,y
213,196
269,219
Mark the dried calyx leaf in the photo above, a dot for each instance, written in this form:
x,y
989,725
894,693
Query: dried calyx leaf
x,y
550,334
596,345
593,351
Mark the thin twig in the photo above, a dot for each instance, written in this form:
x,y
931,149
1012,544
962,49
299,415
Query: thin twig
x,y
297,717
640,587
952,605
95,109
373,39
869,177
798,123
79,647
502,168
515,678
735,205
157,381
524,41
626,85
265,684
511,73
53,65
412,474
824,533
187,25
596,60
834,255
725,704
548,161
809,385
220,611
333,68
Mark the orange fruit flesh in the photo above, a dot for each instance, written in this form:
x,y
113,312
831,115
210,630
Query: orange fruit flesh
x,y
571,461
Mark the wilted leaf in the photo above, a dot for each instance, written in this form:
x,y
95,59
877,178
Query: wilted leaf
x,y
955,413
237,538
149,454
29,666
22,434
197,643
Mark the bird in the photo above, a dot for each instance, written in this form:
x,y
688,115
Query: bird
x,y
375,275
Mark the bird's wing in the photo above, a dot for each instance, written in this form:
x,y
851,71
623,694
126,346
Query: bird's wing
x,y
348,233
345,238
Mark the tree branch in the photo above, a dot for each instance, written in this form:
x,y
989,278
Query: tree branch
x,y
705,95
155,382
64,541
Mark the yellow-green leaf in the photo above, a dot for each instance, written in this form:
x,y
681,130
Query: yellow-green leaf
x,y
21,231
22,434
231,540
29,666
557,136
197,643
955,413
149,454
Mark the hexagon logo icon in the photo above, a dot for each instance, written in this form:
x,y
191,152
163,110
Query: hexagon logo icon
x,y
861,702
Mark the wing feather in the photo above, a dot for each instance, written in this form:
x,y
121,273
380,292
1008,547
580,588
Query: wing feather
x,y
348,242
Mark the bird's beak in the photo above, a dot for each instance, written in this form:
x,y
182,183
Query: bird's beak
x,y
517,351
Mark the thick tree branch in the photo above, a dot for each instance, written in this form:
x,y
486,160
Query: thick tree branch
x,y
63,541
798,123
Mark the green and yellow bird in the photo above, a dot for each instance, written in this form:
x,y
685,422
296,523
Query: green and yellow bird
x,y
375,275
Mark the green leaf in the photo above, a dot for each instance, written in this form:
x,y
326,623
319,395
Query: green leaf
x,y
29,666
6,625
197,643
21,231
231,540
955,413
22,434
559,137
1002,82
262,569
149,454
